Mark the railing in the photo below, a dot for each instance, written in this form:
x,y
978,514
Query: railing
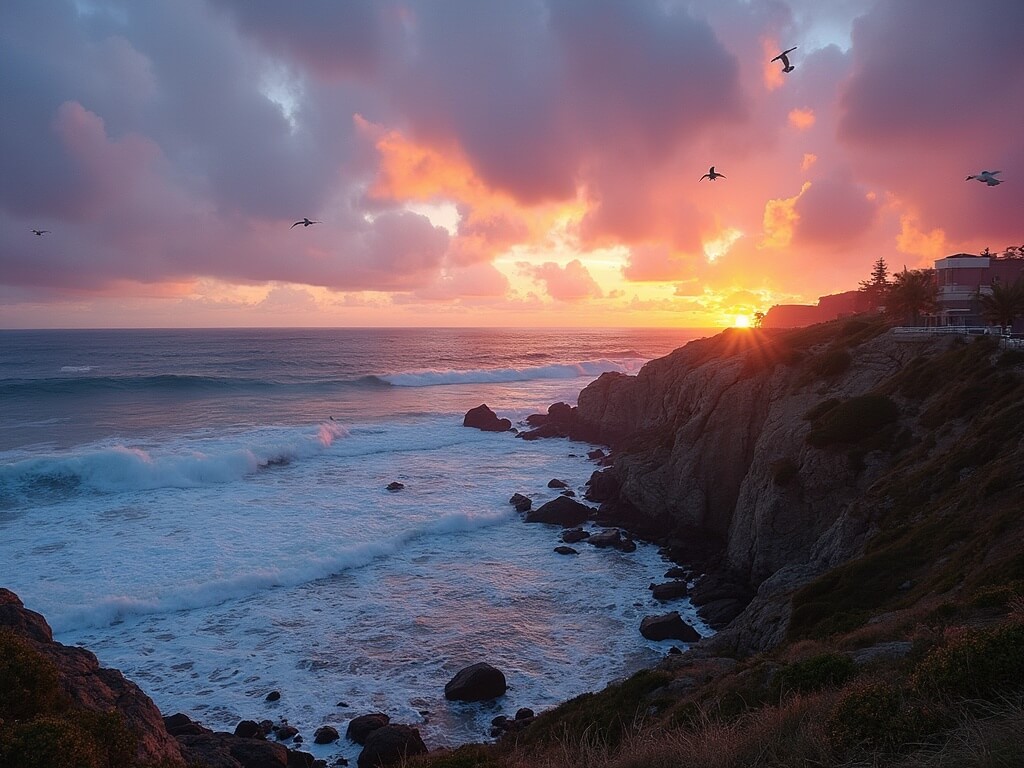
x,y
1005,342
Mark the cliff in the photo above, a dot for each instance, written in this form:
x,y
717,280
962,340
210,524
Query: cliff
x,y
769,444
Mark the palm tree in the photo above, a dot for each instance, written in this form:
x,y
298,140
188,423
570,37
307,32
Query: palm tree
x,y
911,293
1004,304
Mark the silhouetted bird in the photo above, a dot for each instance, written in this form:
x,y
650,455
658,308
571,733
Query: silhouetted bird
x,y
711,175
987,177
39,232
786,66
305,222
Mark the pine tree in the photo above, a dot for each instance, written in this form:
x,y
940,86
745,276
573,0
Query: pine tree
x,y
877,287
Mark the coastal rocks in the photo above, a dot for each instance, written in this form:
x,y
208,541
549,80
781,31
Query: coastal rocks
x,y
224,750
561,511
556,483
485,419
360,728
249,729
391,745
602,486
520,502
564,550
326,734
477,682
669,626
285,732
180,724
86,685
395,486
557,422
574,535
273,696
670,590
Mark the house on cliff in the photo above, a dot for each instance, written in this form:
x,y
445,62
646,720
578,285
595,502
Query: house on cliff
x,y
962,278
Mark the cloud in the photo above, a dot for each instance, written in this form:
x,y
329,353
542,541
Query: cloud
x,y
570,283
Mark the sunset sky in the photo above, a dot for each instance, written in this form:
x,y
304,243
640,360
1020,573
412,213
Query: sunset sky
x,y
492,162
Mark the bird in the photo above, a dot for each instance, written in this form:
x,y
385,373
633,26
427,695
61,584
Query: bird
x,y
39,232
988,177
786,66
305,222
711,175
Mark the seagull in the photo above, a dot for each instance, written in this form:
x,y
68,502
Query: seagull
x,y
786,66
41,232
988,177
305,222
711,175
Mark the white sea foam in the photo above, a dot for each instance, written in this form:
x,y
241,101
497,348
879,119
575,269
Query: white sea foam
x,y
75,368
590,368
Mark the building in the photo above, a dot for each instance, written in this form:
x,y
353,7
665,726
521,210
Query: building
x,y
961,278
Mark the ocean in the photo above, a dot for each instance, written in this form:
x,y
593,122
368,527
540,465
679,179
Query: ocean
x,y
206,510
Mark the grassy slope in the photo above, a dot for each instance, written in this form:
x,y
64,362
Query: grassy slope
x,y
942,581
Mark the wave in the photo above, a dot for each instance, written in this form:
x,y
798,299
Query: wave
x,y
206,594
123,468
590,368
173,383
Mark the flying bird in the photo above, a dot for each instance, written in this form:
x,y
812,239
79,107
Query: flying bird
x,y
711,175
305,223
786,66
39,232
987,177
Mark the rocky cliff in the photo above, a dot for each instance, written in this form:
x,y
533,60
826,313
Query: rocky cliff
x,y
767,443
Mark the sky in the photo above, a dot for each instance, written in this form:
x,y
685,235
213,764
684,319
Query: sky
x,y
489,162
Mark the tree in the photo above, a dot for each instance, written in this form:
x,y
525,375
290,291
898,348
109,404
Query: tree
x,y
758,319
911,293
1004,304
876,288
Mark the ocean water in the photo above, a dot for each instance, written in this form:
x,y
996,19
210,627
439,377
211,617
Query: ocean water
x,y
207,511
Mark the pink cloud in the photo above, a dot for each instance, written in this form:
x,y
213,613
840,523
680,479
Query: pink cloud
x,y
572,282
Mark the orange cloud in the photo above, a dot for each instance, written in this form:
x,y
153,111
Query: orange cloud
x,y
931,245
771,71
801,119
809,159
780,219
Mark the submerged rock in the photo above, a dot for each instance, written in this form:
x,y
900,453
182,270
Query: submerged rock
x,y
561,511
564,550
477,682
669,626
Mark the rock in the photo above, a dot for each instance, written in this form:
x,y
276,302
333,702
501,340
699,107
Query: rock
x,y
484,418
564,550
181,725
86,685
597,453
560,413
547,430
359,728
273,696
569,492
249,729
477,682
326,734
395,486
286,732
520,502
675,572
669,626
556,483
602,486
561,511
298,738
610,537
671,590
524,712
573,535
391,745
674,651
224,750
627,545
499,721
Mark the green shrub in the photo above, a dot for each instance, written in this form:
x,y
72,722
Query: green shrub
x,y
816,673
28,679
76,739
852,420
831,362
975,662
880,715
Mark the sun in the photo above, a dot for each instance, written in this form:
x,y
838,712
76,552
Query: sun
x,y
741,321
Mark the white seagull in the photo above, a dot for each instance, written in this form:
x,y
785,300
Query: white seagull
x,y
711,175
786,66
39,232
305,222
987,177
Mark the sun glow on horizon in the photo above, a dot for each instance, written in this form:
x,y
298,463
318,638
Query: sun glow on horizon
x,y
741,321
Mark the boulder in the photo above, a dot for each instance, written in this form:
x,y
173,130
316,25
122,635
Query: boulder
x,y
88,686
484,418
524,712
545,430
326,734
249,729
560,413
556,483
359,728
224,750
520,502
573,535
670,590
273,696
395,486
597,453
477,682
564,550
610,537
286,732
391,745
179,724
561,511
669,626
602,486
